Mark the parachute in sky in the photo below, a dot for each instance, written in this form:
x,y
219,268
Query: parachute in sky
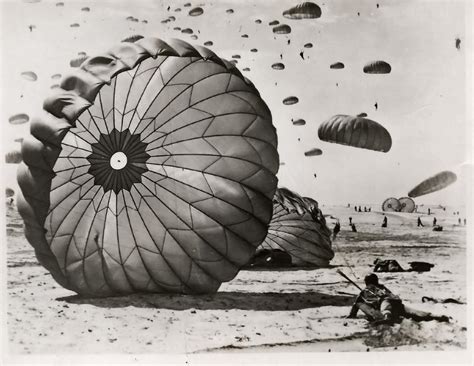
x,y
363,114
172,18
406,204
253,50
82,53
60,4
306,10
208,43
236,56
273,22
13,157
458,43
187,31
433,184
299,228
152,170
194,12
133,38
377,67
245,36
258,21
177,28
18,119
278,66
54,86
74,25
290,100
86,9
282,29
337,65
308,45
177,10
313,152
144,21
299,122
194,37
355,131
19,140
9,192
246,69
56,76
230,11
76,62
391,205
187,5
29,75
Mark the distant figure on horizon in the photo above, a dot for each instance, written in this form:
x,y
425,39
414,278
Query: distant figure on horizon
x,y
465,222
31,28
360,209
385,221
336,230
289,41
365,209
350,220
281,56
419,222
429,211
353,227
355,208
376,106
434,221
459,221
370,209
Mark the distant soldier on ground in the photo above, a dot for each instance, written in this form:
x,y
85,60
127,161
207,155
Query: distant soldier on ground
x,y
354,229
385,221
419,222
336,230
459,221
434,221
350,220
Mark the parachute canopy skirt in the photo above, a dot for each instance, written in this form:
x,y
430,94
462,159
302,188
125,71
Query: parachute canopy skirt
x,y
151,170
355,131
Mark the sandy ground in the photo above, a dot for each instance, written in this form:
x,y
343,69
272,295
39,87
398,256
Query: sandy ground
x,y
288,310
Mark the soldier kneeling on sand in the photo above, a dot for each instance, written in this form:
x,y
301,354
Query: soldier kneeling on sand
x,y
382,306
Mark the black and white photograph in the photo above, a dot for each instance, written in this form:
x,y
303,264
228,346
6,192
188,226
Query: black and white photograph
x,y
273,182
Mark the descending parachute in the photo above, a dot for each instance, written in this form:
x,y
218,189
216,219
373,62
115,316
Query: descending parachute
x,y
9,192
60,4
194,37
306,10
406,204
458,43
13,157
187,31
290,100
273,22
196,11
54,86
377,67
177,28
245,36
298,227
278,66
187,5
313,152
86,9
355,131
337,65
229,11
18,119
76,62
363,114
208,43
299,122
29,75
153,170
258,21
82,53
236,56
308,45
246,69
56,76
74,25
132,39
19,140
433,184
177,10
391,204
253,50
144,21
282,29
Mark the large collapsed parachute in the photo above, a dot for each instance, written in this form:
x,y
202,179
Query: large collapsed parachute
x,y
355,131
391,204
406,204
298,227
306,10
152,170
433,184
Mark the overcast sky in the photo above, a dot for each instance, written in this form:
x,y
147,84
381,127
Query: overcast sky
x,y
422,102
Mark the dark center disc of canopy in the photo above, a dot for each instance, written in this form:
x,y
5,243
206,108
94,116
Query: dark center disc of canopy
x,y
118,160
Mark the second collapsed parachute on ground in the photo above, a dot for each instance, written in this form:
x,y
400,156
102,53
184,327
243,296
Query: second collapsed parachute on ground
x,y
299,228
153,170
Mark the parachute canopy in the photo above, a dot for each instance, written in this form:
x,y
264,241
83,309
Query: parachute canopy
x,y
406,204
236,56
86,9
56,76
258,21
194,37
363,114
76,62
433,184
290,100
74,25
230,11
208,43
13,157
377,67
187,31
355,131
273,22
308,45
391,204
245,36
299,122
282,29
133,38
29,75
337,65
313,152
306,10
246,69
278,66
298,227
196,11
253,50
153,170
18,119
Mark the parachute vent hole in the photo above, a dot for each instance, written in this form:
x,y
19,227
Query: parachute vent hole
x,y
118,160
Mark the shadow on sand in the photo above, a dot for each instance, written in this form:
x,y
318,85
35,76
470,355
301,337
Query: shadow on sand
x,y
270,301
